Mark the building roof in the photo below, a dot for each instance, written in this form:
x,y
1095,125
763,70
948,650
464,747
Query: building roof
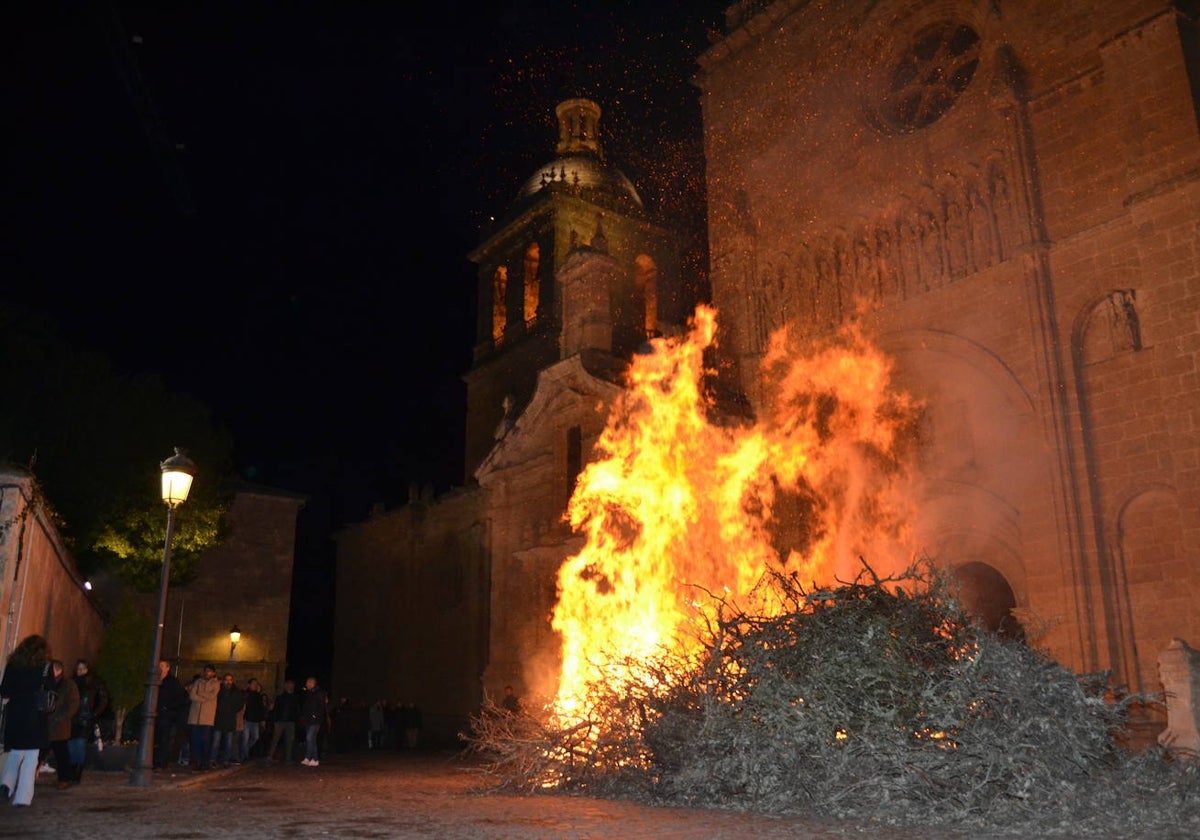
x,y
579,159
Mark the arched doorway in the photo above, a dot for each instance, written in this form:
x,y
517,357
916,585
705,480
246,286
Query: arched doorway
x,y
986,596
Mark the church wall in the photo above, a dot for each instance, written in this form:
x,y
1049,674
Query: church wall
x,y
529,485
41,590
1126,265
412,602
988,490
527,506
511,374
981,239
1130,295
1027,255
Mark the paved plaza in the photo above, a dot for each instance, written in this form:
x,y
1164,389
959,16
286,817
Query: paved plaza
x,y
367,794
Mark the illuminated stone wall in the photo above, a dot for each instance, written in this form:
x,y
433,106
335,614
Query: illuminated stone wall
x,y
41,590
247,581
529,479
1007,195
411,609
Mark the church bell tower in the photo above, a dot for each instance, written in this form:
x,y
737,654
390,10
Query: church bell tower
x,y
575,266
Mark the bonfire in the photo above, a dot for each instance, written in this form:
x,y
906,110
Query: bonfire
x,y
726,643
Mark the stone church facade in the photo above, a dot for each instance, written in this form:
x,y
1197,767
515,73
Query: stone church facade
x,y
1007,194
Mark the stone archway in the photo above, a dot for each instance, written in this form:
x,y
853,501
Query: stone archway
x,y
987,597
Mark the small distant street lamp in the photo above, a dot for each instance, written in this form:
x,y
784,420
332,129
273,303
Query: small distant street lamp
x,y
177,474
235,636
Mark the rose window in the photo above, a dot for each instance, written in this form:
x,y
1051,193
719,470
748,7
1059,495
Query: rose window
x,y
931,75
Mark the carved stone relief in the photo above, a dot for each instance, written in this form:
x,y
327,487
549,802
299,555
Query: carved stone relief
x,y
955,230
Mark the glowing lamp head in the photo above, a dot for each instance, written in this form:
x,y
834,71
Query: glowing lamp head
x,y
177,473
235,635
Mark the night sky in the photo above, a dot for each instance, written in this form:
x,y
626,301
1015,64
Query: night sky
x,y
270,205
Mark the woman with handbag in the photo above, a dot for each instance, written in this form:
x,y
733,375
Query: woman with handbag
x,y
27,678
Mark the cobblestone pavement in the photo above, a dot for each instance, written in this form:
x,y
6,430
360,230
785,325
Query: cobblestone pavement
x,y
372,795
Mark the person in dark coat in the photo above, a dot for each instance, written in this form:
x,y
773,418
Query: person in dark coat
x,y
252,719
410,723
230,701
93,702
170,720
26,731
314,713
284,714
59,724
511,703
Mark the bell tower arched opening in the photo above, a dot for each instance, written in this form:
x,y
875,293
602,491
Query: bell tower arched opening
x,y
499,303
532,283
645,281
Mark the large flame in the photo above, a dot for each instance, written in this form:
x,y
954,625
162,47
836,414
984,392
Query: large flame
x,y
679,505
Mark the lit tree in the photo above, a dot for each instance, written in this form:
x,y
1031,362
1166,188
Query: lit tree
x,y
119,663
93,437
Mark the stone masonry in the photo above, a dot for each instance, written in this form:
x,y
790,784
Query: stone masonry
x,y
1007,195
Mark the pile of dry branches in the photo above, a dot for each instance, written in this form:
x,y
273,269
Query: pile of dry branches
x,y
876,699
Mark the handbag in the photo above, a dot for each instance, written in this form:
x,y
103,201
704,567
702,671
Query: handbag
x,y
45,699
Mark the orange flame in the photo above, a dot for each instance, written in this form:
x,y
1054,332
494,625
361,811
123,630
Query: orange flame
x,y
679,506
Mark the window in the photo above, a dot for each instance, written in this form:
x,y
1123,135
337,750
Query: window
x,y
499,303
931,75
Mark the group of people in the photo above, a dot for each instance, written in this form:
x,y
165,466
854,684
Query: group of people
x,y
223,722
208,722
214,720
379,725
65,724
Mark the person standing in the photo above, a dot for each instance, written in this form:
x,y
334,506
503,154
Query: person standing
x,y
202,694
253,717
230,702
59,724
284,714
314,711
375,725
25,725
172,707
93,702
410,720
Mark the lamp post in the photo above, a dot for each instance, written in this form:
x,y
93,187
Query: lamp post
x,y
177,473
235,636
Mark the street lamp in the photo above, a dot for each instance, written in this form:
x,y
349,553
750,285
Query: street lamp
x,y
177,473
235,636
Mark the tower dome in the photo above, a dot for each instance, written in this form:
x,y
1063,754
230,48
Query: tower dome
x,y
579,162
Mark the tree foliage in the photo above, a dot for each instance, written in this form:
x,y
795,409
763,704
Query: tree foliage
x,y
94,437
122,662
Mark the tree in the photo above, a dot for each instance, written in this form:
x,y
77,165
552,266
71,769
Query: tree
x,y
94,437
121,662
